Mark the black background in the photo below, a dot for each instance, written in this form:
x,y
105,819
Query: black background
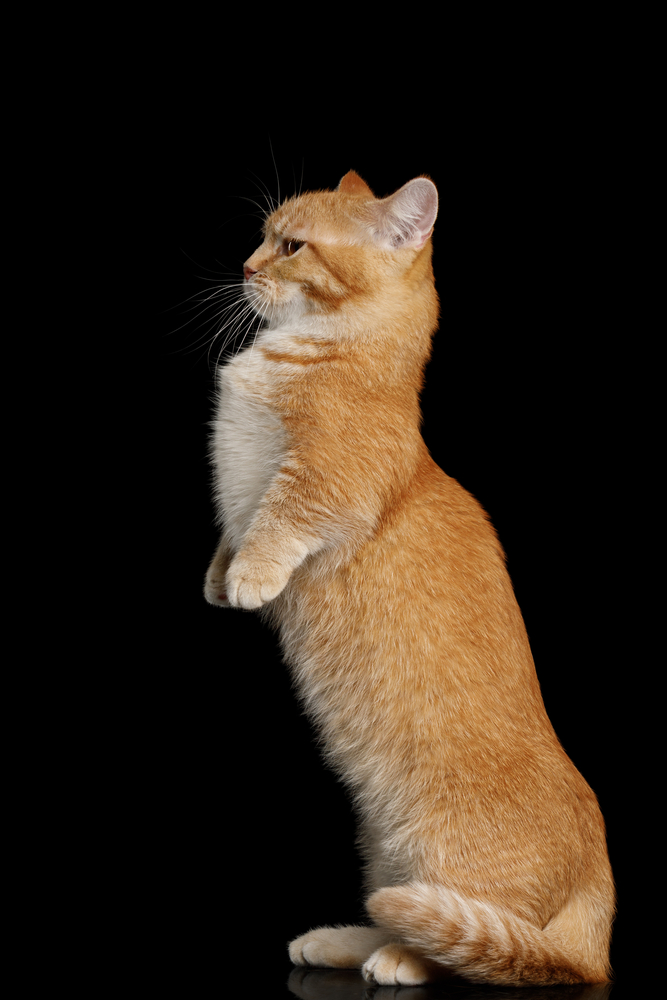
x,y
240,834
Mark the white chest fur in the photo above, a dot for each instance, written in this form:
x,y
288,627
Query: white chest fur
x,y
249,443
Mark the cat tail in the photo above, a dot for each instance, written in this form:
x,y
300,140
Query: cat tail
x,y
488,944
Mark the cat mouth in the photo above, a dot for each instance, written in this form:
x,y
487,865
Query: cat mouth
x,y
255,289
263,295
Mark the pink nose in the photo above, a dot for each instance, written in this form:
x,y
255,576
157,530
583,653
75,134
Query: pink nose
x,y
248,272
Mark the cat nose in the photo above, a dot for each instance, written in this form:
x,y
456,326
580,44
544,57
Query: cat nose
x,y
248,272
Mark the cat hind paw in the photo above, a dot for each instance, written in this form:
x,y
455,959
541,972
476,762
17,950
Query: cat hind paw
x,y
397,965
336,947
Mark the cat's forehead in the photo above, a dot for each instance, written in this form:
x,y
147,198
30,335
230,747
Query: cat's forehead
x,y
325,214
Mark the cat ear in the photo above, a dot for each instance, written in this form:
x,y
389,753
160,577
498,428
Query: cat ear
x,y
406,218
353,184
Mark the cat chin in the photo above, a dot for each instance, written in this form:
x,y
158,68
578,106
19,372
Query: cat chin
x,y
276,308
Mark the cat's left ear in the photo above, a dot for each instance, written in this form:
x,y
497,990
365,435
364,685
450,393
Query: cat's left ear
x,y
406,218
352,183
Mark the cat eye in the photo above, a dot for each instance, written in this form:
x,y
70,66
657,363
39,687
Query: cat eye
x,y
290,247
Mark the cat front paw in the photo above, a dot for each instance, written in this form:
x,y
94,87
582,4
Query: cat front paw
x,y
215,592
251,584
215,585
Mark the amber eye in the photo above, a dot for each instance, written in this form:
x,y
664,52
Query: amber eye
x,y
290,247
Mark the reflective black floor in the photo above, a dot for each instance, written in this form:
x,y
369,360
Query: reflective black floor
x,y
339,984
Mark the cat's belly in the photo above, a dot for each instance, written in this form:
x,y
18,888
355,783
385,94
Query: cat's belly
x,y
248,448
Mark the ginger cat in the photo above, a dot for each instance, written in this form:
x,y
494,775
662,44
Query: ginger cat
x,y
484,847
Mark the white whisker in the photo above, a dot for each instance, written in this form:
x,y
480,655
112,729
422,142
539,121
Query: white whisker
x,y
275,166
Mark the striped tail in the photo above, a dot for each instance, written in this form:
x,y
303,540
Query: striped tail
x,y
479,941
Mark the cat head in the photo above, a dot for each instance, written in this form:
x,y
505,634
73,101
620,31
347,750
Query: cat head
x,y
326,251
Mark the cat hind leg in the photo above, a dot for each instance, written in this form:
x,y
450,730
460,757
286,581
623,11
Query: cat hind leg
x,y
479,941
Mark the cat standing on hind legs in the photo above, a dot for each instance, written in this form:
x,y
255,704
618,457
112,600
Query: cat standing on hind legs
x,y
484,848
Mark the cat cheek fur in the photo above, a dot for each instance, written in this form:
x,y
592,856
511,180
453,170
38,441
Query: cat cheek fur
x,y
484,848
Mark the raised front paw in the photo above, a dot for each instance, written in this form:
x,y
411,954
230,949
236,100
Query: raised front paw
x,y
250,584
215,584
215,592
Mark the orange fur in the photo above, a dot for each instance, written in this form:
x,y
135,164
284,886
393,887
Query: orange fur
x,y
484,847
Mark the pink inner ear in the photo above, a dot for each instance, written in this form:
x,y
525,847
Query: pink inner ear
x,y
352,183
422,241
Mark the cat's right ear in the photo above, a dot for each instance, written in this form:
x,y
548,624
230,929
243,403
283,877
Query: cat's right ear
x,y
406,218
